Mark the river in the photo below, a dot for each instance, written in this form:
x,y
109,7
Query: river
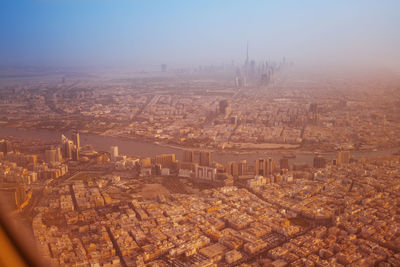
x,y
146,149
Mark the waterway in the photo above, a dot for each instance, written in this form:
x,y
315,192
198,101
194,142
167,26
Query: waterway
x,y
147,149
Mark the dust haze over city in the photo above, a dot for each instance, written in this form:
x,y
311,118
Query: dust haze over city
x,y
199,133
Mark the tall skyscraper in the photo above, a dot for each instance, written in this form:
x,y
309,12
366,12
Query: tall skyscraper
x,y
232,168
187,155
319,162
68,147
260,167
76,139
205,158
264,167
75,154
236,168
343,157
269,166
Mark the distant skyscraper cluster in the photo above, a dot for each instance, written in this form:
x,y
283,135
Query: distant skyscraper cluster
x,y
257,74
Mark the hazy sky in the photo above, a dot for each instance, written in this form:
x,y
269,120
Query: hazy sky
x,y
132,33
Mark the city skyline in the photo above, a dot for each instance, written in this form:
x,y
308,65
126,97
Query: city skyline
x,y
128,34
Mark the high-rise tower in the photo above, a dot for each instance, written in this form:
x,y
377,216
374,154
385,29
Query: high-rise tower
x,y
264,167
343,157
205,158
187,155
76,140
77,143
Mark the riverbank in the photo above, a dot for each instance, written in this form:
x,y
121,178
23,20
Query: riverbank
x,y
143,148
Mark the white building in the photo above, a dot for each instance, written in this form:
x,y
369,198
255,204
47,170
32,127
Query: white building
x,y
164,171
114,152
206,173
